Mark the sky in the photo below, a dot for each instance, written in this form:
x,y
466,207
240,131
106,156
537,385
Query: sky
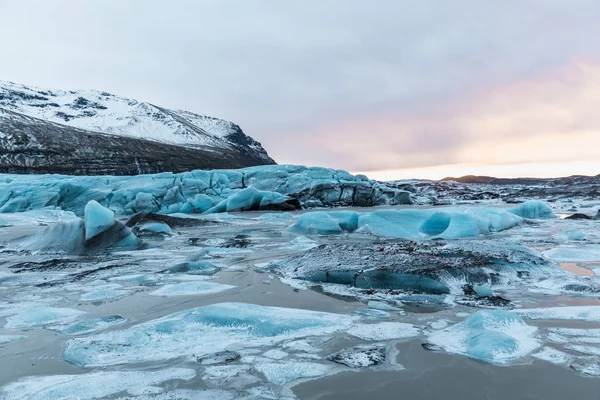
x,y
389,88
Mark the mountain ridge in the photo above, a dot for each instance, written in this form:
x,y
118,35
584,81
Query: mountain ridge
x,y
199,140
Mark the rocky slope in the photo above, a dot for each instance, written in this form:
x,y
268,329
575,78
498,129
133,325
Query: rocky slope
x,y
91,132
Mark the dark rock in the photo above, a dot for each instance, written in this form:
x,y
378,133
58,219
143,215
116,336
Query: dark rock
x,y
578,216
360,356
221,357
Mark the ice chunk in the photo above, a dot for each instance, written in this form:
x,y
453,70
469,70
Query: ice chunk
x,y
483,290
580,313
319,223
574,234
10,338
97,219
89,325
155,227
219,325
190,289
281,373
73,236
101,293
36,217
31,317
493,336
534,209
573,253
90,386
381,305
552,355
368,312
360,356
384,331
302,243
193,268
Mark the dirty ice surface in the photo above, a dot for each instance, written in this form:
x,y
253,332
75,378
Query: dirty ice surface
x,y
247,305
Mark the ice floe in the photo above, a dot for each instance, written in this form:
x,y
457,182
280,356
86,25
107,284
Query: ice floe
x,y
90,386
219,325
493,336
384,331
190,289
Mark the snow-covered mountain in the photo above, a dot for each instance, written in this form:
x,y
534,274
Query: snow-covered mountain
x,y
103,113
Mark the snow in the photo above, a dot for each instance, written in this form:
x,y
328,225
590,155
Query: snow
x,y
384,331
219,325
103,112
494,336
90,386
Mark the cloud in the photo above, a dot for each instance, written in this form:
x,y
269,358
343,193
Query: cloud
x,y
343,83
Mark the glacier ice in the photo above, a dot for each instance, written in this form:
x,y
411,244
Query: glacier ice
x,y
552,355
190,289
219,325
40,216
97,219
384,331
445,223
278,187
579,313
10,338
94,385
494,336
28,318
429,267
588,253
88,325
281,373
360,356
534,209
97,230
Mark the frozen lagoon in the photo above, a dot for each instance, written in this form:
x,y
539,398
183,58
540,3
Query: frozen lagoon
x,y
168,342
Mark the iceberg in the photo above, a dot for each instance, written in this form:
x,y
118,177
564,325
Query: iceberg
x,y
533,209
442,223
97,230
430,267
219,325
493,336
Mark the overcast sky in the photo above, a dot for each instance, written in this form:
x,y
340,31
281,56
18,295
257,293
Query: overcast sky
x,y
383,86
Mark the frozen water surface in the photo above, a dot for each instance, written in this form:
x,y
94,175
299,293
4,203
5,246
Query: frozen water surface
x,y
129,283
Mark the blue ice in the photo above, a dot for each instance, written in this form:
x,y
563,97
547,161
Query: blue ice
x,y
445,223
493,336
88,325
218,325
534,209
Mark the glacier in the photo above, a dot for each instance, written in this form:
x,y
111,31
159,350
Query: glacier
x,y
272,187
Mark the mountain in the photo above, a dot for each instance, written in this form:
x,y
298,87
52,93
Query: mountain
x,y
92,132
